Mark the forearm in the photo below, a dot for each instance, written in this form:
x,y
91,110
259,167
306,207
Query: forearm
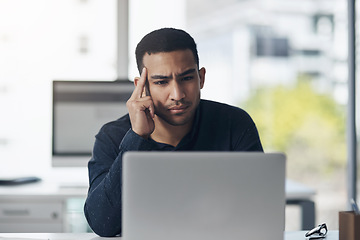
x,y
103,204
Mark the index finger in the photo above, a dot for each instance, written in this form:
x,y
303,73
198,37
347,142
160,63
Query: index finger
x,y
140,84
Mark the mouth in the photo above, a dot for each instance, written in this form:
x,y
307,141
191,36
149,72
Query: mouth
x,y
178,109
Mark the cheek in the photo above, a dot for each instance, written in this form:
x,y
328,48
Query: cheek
x,y
193,91
158,95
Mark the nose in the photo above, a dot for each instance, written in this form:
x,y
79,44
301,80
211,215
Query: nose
x,y
177,92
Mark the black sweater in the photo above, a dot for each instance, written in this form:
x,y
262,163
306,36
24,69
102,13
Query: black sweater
x,y
217,127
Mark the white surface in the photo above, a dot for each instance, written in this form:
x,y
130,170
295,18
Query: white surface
x,y
298,235
42,206
58,183
51,236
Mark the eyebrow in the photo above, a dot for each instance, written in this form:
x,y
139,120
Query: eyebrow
x,y
186,72
156,77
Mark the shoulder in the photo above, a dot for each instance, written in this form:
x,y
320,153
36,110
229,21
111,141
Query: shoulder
x,y
225,115
121,123
231,124
115,130
218,109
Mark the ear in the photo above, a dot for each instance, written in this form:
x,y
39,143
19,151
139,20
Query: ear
x,y
202,73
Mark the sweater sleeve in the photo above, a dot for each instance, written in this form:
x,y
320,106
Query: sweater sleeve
x,y
103,204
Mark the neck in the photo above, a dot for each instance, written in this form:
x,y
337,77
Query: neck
x,y
169,134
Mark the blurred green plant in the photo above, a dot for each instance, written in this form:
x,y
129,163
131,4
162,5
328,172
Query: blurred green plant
x,y
306,125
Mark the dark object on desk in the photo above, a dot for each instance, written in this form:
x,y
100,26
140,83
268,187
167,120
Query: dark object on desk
x,y
318,232
19,181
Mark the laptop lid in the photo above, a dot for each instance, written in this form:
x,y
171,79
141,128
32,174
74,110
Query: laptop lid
x,y
203,195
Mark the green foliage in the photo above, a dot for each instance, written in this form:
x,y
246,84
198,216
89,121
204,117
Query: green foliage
x,y
309,127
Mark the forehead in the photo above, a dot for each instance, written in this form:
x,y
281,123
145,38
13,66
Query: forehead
x,y
179,59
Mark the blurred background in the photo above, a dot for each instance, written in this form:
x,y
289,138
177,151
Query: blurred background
x,y
285,62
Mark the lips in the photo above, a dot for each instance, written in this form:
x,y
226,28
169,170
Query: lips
x,y
178,109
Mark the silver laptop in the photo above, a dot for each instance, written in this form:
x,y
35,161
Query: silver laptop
x,y
203,196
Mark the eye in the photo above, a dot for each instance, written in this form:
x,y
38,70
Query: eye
x,y
187,78
162,82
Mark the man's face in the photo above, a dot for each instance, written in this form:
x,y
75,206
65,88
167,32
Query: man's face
x,y
174,83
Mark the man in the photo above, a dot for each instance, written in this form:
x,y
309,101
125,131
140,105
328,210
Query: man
x,y
165,114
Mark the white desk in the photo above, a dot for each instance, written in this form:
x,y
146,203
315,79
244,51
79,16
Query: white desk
x,y
300,235
52,236
40,207
332,235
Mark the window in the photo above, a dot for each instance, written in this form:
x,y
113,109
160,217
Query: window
x,y
40,42
281,62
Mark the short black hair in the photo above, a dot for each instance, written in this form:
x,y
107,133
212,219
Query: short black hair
x,y
165,40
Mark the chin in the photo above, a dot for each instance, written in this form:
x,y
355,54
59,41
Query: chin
x,y
177,120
